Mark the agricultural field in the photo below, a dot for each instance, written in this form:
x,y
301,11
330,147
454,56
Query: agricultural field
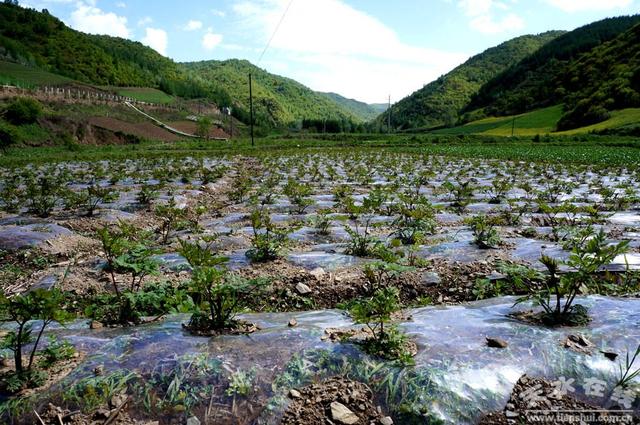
x,y
145,95
22,76
414,284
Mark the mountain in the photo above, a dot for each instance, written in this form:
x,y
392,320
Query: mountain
x,y
276,100
566,70
364,111
440,102
41,41
605,79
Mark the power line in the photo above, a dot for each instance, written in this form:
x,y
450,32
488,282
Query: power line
x,y
275,31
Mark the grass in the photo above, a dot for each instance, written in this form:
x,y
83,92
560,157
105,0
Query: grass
x,y
145,94
541,121
619,118
19,75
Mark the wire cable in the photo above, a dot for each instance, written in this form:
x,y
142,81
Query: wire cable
x,y
275,31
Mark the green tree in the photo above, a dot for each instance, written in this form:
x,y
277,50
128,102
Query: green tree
x,y
40,304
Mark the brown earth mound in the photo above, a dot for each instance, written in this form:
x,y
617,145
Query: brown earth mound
x,y
146,130
192,128
536,401
335,401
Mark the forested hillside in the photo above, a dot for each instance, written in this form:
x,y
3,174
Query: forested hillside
x,y
589,69
440,102
364,111
41,41
277,100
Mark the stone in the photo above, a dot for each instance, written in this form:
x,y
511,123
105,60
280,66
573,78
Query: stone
x,y
318,273
303,289
496,343
495,276
430,279
95,325
117,400
511,415
610,355
341,414
295,394
293,323
193,421
98,370
386,421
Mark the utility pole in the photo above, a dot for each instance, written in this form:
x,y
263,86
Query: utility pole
x,y
389,116
251,108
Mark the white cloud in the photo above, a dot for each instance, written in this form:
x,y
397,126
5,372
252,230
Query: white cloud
x,y
588,5
121,5
90,19
157,39
218,13
193,25
211,40
482,16
145,21
335,46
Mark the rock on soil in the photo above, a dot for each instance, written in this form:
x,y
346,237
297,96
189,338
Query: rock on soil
x,y
337,400
523,409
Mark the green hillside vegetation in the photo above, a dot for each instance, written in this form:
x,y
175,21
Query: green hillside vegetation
x,y
605,79
145,94
363,111
43,50
542,121
40,40
581,69
624,118
15,74
439,103
277,100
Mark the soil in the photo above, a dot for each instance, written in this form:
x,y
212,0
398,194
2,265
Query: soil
x,y
240,327
57,372
192,128
145,130
522,409
313,404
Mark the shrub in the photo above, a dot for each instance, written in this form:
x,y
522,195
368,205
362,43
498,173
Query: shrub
x,y
8,137
375,313
268,239
298,194
127,254
172,218
23,110
90,198
485,234
217,292
40,304
55,352
43,194
585,262
129,307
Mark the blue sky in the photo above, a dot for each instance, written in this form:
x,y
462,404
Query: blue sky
x,y
363,49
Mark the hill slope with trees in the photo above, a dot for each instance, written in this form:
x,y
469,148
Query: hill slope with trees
x,y
365,111
276,100
440,102
564,71
42,41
